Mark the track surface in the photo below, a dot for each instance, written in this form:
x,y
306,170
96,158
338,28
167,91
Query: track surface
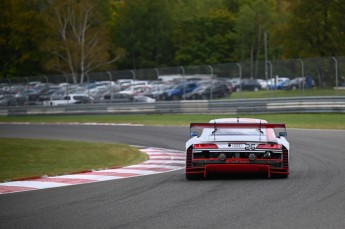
x,y
312,197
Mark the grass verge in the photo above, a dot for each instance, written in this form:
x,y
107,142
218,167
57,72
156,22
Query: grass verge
x,y
21,158
286,93
311,121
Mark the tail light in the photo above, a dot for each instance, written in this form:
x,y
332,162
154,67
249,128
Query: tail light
x,y
269,146
205,146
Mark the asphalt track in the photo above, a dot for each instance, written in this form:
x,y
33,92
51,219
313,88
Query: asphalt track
x,y
312,197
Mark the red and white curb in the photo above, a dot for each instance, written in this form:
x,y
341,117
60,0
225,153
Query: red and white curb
x,y
160,160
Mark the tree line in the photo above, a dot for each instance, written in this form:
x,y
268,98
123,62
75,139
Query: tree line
x,y
76,37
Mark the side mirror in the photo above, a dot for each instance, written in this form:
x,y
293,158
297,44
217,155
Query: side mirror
x,y
282,134
194,134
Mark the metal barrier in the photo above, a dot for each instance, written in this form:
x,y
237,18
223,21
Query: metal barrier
x,y
325,104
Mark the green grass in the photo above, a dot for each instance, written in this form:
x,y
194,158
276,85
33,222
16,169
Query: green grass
x,y
313,121
20,158
285,93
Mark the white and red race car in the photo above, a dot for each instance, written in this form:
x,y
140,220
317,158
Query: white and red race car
x,y
237,146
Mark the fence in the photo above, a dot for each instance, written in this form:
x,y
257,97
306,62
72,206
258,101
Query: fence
x,y
327,72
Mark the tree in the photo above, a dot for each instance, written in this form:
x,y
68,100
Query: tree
x,y
21,35
254,19
79,40
143,28
315,29
206,39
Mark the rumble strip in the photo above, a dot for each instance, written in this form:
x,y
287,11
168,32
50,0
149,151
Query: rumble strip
x,y
160,161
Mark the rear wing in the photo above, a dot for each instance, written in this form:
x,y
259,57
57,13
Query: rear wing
x,y
260,126
238,125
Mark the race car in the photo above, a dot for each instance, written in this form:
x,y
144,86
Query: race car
x,y
237,146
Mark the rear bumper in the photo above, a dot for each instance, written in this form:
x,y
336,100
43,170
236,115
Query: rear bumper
x,y
265,170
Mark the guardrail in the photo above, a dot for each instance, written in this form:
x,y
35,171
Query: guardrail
x,y
324,104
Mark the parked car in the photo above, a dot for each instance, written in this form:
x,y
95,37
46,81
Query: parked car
x,y
143,99
235,82
117,98
298,82
248,85
69,99
8,100
211,91
278,83
136,90
27,96
178,91
263,83
158,92
220,81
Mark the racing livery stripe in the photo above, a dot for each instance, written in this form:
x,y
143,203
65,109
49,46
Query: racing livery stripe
x,y
160,160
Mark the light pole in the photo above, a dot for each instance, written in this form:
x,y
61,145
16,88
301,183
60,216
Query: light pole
x,y
66,84
88,85
271,70
336,75
110,81
183,72
157,94
211,72
302,72
28,89
266,71
10,83
157,73
133,75
240,75
184,83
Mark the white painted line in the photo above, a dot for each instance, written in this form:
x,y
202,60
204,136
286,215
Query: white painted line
x,y
153,166
165,162
89,177
34,184
139,172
